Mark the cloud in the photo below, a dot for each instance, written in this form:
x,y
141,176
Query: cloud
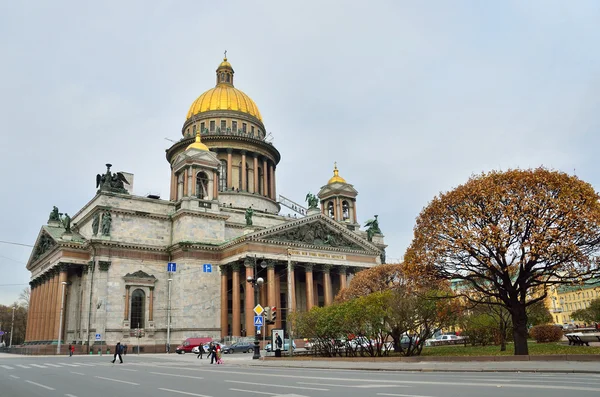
x,y
409,98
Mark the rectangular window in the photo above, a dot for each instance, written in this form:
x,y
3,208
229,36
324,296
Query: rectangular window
x,y
212,125
234,126
194,128
243,127
252,130
223,125
201,127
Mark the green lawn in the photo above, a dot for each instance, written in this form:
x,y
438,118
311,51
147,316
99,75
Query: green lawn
x,y
535,349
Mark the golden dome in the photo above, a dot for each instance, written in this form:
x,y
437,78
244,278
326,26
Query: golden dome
x,y
336,176
224,96
198,143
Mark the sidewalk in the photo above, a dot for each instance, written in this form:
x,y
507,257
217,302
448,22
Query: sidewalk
x,y
547,366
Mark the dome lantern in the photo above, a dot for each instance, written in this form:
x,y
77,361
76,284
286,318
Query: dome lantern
x,y
225,72
336,176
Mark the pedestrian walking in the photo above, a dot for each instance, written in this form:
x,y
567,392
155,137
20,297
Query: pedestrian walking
x,y
118,352
218,353
200,351
71,350
213,353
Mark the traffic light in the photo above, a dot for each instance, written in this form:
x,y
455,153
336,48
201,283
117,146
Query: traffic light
x,y
273,314
267,315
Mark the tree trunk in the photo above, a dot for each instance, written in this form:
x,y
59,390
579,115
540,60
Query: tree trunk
x,y
502,336
519,319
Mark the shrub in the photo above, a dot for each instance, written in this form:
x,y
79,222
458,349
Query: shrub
x,y
546,333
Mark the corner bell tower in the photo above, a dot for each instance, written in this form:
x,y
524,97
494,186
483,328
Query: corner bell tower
x,y
338,200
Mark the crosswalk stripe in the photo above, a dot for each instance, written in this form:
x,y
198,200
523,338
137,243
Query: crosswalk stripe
x,y
23,366
69,365
53,365
37,365
87,365
6,367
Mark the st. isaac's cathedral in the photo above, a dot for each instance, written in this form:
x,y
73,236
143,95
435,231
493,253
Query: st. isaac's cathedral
x,y
112,266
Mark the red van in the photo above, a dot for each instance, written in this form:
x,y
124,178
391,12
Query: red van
x,y
190,343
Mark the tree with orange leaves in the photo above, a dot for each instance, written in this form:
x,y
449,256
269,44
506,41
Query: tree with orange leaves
x,y
508,235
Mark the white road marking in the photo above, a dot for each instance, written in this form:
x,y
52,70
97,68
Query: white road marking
x,y
412,382
87,365
176,375
70,395
53,365
127,369
401,395
38,365
257,392
117,380
40,385
183,392
23,366
69,365
6,367
272,385
353,386
77,373
14,376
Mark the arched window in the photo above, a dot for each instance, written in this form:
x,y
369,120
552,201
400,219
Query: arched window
x,y
345,210
138,298
260,180
223,176
330,211
202,185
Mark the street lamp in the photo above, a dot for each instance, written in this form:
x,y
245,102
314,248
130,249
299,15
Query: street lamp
x,y
169,319
12,324
256,283
60,321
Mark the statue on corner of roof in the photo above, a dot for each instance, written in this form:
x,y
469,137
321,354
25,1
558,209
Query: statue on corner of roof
x,y
373,228
66,221
54,215
313,201
249,213
96,223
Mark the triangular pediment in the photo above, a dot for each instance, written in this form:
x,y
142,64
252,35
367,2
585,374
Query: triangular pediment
x,y
139,274
194,156
317,231
44,243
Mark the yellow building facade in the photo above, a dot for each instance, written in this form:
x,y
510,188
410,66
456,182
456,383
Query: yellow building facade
x,y
562,301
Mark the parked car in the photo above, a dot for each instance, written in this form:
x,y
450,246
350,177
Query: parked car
x,y
188,345
196,350
444,340
406,341
244,347
286,345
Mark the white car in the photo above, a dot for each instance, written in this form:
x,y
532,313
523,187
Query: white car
x,y
444,340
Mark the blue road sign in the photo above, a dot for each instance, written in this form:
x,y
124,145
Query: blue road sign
x,y
258,321
171,267
207,268
98,336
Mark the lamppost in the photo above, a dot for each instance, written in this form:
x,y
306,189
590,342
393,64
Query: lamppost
x,y
256,283
60,320
12,324
169,319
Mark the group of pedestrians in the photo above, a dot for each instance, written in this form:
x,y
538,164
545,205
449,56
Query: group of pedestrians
x,y
214,353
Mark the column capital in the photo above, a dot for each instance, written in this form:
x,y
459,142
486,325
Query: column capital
x,y
248,262
151,288
104,265
342,269
326,268
271,264
255,155
224,269
243,152
229,150
235,267
309,267
128,287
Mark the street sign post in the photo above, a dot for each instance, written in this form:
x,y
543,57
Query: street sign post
x,y
172,267
98,336
258,309
258,321
207,268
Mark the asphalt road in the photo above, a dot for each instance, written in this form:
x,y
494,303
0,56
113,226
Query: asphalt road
x,y
178,376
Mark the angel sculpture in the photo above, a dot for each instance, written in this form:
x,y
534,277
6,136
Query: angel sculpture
x,y
313,201
111,182
373,228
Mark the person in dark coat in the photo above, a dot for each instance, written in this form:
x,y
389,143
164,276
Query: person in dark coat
x,y
200,351
118,352
213,353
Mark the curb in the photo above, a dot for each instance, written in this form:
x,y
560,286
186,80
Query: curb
x,y
505,370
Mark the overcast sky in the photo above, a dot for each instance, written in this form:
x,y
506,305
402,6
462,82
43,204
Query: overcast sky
x,y
410,98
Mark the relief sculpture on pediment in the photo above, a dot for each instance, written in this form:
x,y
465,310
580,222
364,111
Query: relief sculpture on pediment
x,y
315,234
46,242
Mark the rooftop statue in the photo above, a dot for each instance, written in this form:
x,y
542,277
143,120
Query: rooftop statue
x,y
373,228
54,215
111,182
313,201
249,213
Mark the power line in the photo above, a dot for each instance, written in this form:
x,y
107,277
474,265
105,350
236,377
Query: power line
x,y
12,243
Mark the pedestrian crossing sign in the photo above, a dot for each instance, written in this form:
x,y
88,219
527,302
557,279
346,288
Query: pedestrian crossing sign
x,y
258,321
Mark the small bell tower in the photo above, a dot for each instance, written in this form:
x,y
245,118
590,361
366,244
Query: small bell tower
x,y
338,200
